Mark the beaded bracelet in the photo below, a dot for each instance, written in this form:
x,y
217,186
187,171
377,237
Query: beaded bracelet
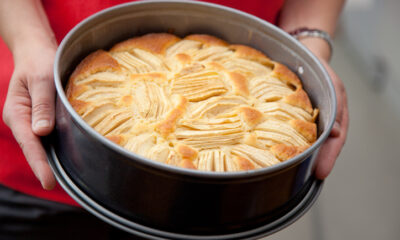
x,y
302,33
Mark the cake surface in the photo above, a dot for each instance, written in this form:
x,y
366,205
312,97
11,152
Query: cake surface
x,y
195,102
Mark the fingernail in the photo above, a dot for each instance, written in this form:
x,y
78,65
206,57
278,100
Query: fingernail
x,y
335,129
42,124
43,184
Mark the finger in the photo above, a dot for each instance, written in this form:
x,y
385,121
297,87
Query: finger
x,y
344,121
42,94
33,151
339,91
327,156
332,147
17,115
341,100
335,132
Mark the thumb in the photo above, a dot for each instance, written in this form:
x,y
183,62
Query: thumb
x,y
42,93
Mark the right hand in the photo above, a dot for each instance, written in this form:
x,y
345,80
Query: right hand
x,y
30,105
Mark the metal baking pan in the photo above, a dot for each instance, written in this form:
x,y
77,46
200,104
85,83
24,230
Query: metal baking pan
x,y
167,198
296,209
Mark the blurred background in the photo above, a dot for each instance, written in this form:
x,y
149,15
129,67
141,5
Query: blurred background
x,y
361,198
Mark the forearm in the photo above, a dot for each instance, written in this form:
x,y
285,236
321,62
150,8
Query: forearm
x,y
319,14
23,23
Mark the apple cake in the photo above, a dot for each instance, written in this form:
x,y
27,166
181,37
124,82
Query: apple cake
x,y
196,102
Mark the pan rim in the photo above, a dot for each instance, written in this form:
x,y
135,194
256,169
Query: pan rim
x,y
99,210
183,171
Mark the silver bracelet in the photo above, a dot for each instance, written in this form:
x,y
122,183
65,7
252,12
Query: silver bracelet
x,y
302,33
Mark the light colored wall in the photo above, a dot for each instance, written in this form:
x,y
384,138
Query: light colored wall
x,y
361,198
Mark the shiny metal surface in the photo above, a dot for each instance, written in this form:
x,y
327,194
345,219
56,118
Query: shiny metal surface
x,y
300,207
168,198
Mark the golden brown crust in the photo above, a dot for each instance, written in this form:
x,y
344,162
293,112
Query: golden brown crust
x,y
118,139
244,164
74,91
215,65
283,73
173,159
307,129
284,152
198,104
155,43
183,58
299,99
99,61
251,116
79,106
207,40
315,114
127,100
186,152
251,139
168,125
239,83
250,53
185,163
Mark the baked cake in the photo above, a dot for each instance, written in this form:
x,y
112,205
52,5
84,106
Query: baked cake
x,y
196,102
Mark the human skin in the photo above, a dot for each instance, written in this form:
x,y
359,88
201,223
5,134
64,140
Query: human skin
x,y
323,15
29,109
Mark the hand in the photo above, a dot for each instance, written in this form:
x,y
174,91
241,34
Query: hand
x,y
331,148
29,107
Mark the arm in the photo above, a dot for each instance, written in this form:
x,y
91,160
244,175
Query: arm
x,y
29,107
317,14
321,15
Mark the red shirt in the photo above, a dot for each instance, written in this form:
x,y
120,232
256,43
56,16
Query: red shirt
x,y
63,16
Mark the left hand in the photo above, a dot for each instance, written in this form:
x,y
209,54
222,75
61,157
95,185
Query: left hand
x,y
331,148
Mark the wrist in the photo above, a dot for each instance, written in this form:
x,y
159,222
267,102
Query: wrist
x,y
319,47
39,44
317,41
